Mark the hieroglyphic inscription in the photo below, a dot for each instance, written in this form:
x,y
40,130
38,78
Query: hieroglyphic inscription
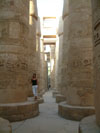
x,y
97,33
79,63
13,65
97,42
6,3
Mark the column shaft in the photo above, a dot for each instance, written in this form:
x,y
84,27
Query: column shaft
x,y
96,50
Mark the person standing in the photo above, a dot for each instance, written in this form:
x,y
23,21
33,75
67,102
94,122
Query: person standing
x,y
34,85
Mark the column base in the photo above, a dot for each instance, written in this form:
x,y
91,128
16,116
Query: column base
x,y
88,125
60,98
5,126
41,93
19,111
74,112
54,93
39,100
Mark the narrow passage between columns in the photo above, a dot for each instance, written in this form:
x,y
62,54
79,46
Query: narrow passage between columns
x,y
48,121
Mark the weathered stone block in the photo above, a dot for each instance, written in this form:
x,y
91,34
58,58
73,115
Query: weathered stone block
x,y
74,112
19,111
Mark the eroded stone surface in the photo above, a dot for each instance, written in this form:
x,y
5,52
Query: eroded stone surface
x,y
74,112
14,64
19,111
96,50
78,50
13,49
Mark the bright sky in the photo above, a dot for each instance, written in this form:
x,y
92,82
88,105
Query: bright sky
x,y
50,7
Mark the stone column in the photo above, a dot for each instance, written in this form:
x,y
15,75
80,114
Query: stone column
x,y
55,90
96,50
43,69
56,62
77,59
60,35
38,61
14,30
61,96
52,60
32,54
38,35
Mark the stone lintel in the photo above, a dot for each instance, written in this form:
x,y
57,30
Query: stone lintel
x,y
74,112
